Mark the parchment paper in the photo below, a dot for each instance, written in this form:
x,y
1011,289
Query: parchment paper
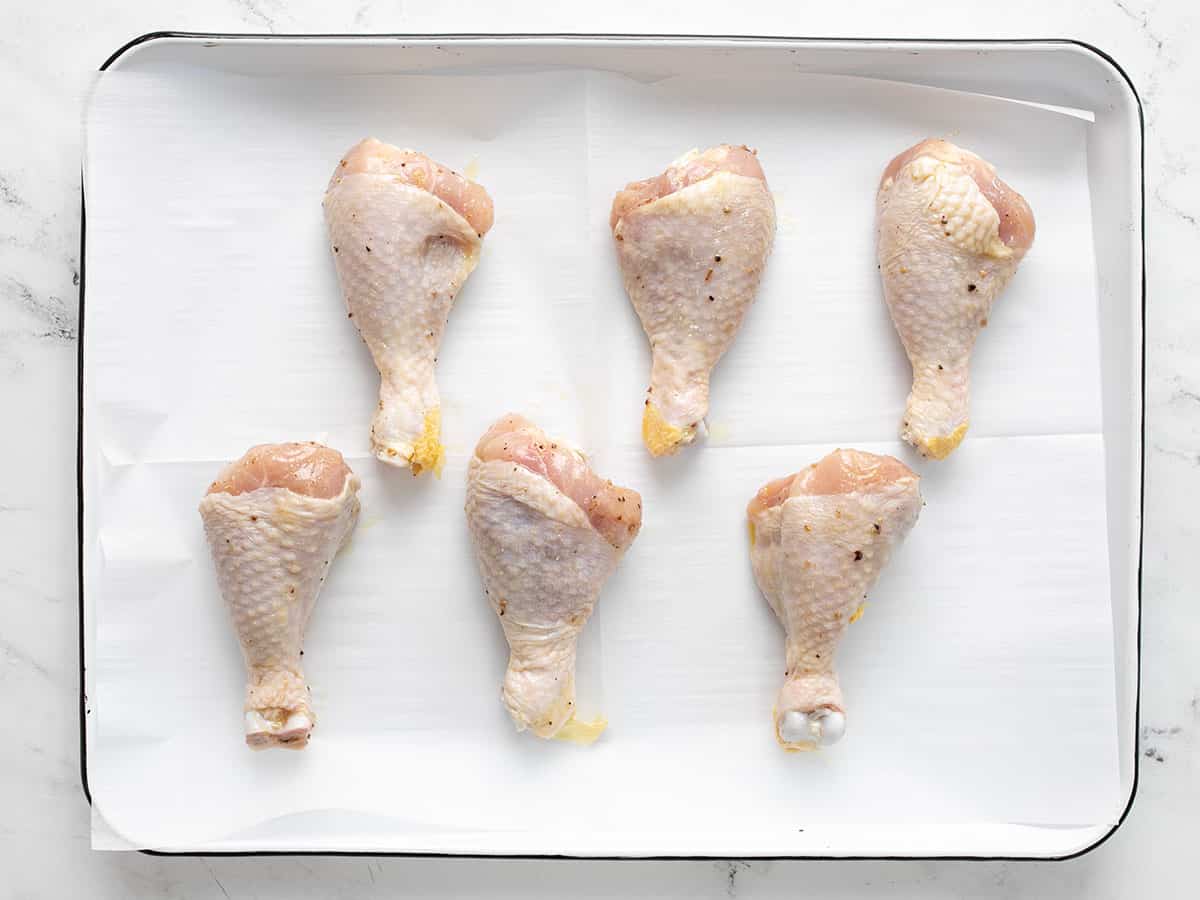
x,y
979,684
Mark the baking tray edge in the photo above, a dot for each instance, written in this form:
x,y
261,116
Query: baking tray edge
x,y
84,711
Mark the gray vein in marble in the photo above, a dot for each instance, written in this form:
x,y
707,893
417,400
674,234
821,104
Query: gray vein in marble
x,y
1173,209
216,880
65,772
14,584
254,10
161,882
13,654
1168,733
1143,20
9,195
63,322
1163,61
733,868
360,15
1186,455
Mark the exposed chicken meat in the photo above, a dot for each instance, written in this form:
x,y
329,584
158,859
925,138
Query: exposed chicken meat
x,y
547,533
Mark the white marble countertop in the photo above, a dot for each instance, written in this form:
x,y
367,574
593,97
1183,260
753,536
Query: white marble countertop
x,y
48,52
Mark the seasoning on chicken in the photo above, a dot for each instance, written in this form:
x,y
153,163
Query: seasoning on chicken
x,y
275,519
950,236
405,232
548,532
692,244
818,540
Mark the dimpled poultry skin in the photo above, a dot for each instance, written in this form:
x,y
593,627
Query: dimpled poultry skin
x,y
547,532
818,541
950,237
275,519
692,244
405,233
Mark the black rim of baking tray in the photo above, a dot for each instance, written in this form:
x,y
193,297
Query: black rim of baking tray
x,y
160,35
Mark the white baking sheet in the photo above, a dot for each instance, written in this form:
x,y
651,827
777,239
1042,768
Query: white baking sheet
x,y
980,683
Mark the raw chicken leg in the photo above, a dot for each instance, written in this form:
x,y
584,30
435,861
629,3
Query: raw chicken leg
x,y
818,541
692,243
275,519
405,234
548,532
951,235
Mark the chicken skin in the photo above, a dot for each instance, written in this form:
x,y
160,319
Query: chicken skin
x,y
950,236
405,233
692,244
818,541
547,532
275,519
